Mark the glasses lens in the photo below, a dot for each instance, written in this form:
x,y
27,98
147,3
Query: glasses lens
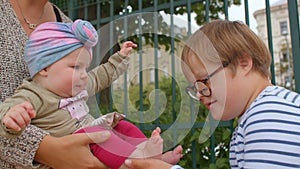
x,y
202,88
192,92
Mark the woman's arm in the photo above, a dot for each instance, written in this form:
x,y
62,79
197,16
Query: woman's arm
x,y
21,150
65,152
71,151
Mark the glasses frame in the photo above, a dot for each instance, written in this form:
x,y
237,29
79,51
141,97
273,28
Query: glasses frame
x,y
193,87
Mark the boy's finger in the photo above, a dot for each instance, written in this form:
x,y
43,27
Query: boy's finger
x,y
146,164
135,164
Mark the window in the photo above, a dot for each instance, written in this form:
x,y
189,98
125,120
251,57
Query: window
x,y
138,77
158,54
284,56
152,76
127,77
283,28
115,82
166,72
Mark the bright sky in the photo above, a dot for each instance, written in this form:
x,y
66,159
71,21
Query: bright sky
x,y
234,13
237,12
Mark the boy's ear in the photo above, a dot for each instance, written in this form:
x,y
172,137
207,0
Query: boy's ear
x,y
245,63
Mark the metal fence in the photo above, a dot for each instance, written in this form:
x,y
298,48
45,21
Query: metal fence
x,y
145,23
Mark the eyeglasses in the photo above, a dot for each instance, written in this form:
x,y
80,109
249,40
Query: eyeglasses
x,y
200,86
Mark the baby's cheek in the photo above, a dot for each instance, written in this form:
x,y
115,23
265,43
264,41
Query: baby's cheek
x,y
75,78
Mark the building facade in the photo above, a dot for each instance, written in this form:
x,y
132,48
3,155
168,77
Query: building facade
x,y
281,41
143,62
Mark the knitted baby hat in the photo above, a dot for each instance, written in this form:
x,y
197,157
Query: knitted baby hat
x,y
51,41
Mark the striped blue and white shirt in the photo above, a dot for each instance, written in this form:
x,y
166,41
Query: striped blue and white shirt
x,y
268,133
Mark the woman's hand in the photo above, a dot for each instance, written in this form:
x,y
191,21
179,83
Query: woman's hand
x,y
147,164
71,152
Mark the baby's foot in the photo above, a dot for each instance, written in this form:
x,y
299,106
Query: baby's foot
x,y
153,146
156,132
173,157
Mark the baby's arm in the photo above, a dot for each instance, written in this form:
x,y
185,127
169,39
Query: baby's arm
x,y
103,75
19,116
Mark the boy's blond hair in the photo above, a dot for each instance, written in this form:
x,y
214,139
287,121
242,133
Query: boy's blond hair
x,y
227,41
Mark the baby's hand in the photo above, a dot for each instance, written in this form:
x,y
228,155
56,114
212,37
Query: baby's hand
x,y
127,47
19,116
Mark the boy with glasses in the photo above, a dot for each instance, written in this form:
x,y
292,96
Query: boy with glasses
x,y
228,67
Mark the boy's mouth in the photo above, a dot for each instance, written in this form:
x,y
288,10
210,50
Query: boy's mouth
x,y
208,104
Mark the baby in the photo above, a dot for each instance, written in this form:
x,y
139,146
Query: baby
x,y
54,97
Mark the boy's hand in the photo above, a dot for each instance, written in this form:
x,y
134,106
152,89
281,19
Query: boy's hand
x,y
127,47
19,116
146,164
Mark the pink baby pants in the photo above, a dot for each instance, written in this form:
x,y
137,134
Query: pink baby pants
x,y
122,142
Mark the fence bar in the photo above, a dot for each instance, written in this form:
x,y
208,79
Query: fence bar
x,y
226,9
189,32
207,11
111,44
98,14
212,139
247,12
173,69
126,73
189,10
294,29
86,15
156,60
141,125
71,9
270,39
194,155
98,48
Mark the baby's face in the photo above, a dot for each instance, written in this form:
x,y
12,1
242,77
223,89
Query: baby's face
x,y
68,76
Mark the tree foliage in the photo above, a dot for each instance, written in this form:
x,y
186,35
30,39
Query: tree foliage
x,y
113,10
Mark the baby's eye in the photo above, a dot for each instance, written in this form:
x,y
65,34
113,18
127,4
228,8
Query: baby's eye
x,y
76,67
